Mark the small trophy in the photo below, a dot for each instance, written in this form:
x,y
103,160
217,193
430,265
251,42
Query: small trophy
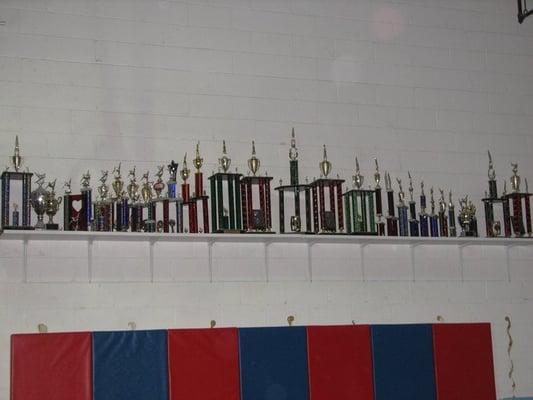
x,y
392,221
86,202
295,187
52,205
359,205
413,222
423,216
16,215
103,207
187,200
147,197
433,218
230,222
327,215
7,193
379,205
136,204
493,227
256,220
72,208
443,218
38,201
172,183
159,185
402,210
517,197
200,195
467,218
121,202
451,216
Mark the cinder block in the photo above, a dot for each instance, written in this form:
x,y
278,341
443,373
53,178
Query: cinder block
x,y
387,263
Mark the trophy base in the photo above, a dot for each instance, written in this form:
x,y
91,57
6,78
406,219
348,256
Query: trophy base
x,y
52,227
229,231
363,234
259,232
18,227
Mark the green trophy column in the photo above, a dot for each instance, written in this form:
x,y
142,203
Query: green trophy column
x,y
238,208
348,214
220,203
231,199
370,196
214,224
356,216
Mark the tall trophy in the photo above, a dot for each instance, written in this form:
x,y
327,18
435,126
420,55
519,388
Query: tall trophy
x,y
200,195
295,187
423,216
187,200
506,211
147,196
173,195
528,209
379,204
136,203
492,225
86,203
38,201
226,212
519,200
413,222
328,214
433,217
8,178
359,205
392,220
443,218
103,207
160,202
256,219
451,216
122,210
402,211
52,205
467,218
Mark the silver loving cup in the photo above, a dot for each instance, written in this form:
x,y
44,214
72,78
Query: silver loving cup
x,y
38,200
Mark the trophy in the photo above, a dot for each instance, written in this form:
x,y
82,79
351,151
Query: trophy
x,y
38,201
423,216
506,211
200,195
136,204
8,192
103,207
121,202
158,187
402,210
392,221
52,205
433,218
467,218
443,219
295,187
517,198
379,205
16,215
187,200
147,197
72,208
86,202
493,227
451,216
226,219
172,184
359,205
256,220
413,222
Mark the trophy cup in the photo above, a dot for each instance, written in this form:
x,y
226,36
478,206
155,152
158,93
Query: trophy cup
x,y
359,205
296,188
492,226
443,219
256,220
103,207
379,203
147,197
392,221
52,205
413,222
423,216
433,218
7,192
86,202
451,216
121,202
187,200
38,201
222,221
136,204
200,195
327,215
402,210
467,218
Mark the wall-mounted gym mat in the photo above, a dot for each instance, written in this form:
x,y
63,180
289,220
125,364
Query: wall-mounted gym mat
x,y
464,367
203,364
54,366
273,363
340,362
130,365
403,362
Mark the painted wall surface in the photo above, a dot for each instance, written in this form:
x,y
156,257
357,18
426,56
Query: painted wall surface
x,y
425,86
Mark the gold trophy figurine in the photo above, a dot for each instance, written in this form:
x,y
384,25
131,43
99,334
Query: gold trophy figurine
x,y
325,165
253,162
224,161
198,161
16,158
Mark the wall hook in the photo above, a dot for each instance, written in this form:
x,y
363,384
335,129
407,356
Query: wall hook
x,y
42,328
440,318
213,323
132,325
290,319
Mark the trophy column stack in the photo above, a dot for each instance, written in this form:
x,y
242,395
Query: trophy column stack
x,y
256,220
12,220
327,215
225,220
103,207
198,197
520,223
492,226
359,205
392,220
295,187
413,222
403,221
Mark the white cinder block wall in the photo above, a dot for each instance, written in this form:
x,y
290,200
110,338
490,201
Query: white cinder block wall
x,y
425,86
